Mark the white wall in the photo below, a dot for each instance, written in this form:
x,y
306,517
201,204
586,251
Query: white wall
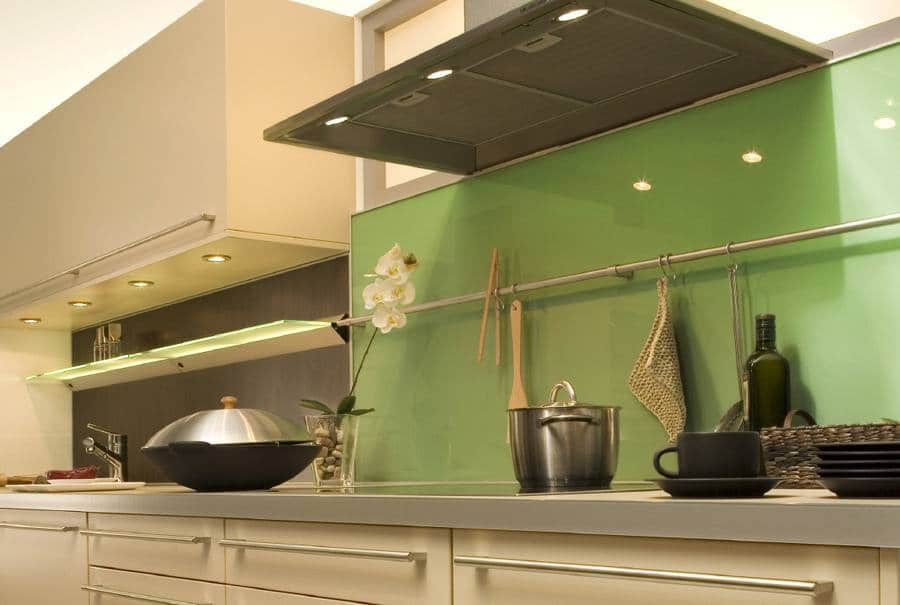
x,y
35,420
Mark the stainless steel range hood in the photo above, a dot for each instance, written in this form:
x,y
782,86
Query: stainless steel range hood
x,y
528,81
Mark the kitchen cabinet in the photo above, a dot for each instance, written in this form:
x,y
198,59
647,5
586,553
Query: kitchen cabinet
x,y
524,568
42,557
114,587
890,576
371,564
172,546
172,131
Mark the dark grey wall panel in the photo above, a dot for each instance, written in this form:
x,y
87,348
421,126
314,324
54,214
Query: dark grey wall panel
x,y
140,408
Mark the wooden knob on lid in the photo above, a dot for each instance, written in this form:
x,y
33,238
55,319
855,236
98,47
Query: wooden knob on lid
x,y
228,402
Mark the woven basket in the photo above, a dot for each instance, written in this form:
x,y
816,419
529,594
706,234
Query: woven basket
x,y
790,451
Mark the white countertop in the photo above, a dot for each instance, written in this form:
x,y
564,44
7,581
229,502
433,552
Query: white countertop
x,y
796,516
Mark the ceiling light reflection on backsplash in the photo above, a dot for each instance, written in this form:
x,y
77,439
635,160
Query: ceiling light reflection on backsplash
x,y
642,185
885,123
752,157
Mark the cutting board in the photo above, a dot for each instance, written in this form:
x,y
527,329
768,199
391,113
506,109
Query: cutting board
x,y
55,488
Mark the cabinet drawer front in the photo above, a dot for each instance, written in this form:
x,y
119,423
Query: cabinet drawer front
x,y
526,568
42,557
352,562
251,596
186,547
114,587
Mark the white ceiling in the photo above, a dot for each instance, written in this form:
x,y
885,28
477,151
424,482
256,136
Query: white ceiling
x,y
52,48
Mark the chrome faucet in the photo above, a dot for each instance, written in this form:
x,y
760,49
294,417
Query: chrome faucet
x,y
115,453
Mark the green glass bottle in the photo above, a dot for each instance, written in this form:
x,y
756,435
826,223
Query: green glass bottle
x,y
767,379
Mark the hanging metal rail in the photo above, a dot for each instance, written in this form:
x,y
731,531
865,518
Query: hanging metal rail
x,y
206,216
627,269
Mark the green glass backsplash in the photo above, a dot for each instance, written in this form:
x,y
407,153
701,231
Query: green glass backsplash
x,y
441,416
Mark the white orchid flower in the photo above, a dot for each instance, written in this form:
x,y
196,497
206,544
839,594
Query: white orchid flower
x,y
395,265
401,294
388,317
376,293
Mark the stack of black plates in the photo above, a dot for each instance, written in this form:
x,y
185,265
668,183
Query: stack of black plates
x,y
860,470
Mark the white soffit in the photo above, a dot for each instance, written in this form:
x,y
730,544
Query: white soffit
x,y
816,20
341,7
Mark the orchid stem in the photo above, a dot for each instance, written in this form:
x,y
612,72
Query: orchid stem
x,y
362,361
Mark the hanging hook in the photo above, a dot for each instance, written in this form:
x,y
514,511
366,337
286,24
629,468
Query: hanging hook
x,y
733,263
512,290
498,300
622,274
672,271
662,269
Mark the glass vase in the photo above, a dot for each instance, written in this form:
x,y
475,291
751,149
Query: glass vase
x,y
335,466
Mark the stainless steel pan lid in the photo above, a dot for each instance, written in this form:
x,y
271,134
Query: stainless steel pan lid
x,y
229,425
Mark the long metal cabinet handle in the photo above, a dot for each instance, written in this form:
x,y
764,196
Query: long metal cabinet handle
x,y
807,587
141,536
136,596
390,555
37,527
206,216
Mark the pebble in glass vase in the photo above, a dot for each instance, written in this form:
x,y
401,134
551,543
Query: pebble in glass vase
x,y
335,466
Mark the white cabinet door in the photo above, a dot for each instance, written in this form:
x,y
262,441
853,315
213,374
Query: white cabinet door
x,y
519,568
366,563
186,547
43,559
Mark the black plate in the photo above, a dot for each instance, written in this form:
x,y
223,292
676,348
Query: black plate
x,y
888,446
868,472
739,487
860,455
845,487
859,464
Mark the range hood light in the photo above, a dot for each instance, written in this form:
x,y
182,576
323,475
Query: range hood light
x,y
337,120
752,157
642,185
441,73
573,14
885,123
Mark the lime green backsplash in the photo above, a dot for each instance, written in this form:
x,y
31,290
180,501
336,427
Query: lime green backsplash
x,y
441,416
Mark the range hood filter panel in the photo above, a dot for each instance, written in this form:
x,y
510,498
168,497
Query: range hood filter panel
x,y
602,56
469,110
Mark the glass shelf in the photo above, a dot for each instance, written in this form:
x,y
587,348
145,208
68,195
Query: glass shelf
x,y
255,342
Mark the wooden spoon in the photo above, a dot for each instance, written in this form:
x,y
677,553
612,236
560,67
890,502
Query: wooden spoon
x,y
517,398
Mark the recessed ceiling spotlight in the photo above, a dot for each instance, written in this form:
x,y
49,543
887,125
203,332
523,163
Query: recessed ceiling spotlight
x,y
885,123
80,304
642,185
140,283
573,14
752,157
216,258
31,321
441,73
337,120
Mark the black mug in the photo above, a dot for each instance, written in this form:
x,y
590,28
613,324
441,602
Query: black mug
x,y
714,456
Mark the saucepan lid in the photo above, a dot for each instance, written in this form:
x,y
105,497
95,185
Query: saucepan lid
x,y
229,425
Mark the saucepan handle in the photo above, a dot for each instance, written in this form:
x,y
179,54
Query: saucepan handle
x,y
568,418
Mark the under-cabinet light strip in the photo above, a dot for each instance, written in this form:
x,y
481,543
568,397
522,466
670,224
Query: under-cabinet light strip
x,y
627,269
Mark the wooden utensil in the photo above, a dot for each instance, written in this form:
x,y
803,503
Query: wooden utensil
x,y
17,479
488,297
517,398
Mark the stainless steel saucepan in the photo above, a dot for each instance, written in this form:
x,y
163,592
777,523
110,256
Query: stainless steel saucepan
x,y
564,445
